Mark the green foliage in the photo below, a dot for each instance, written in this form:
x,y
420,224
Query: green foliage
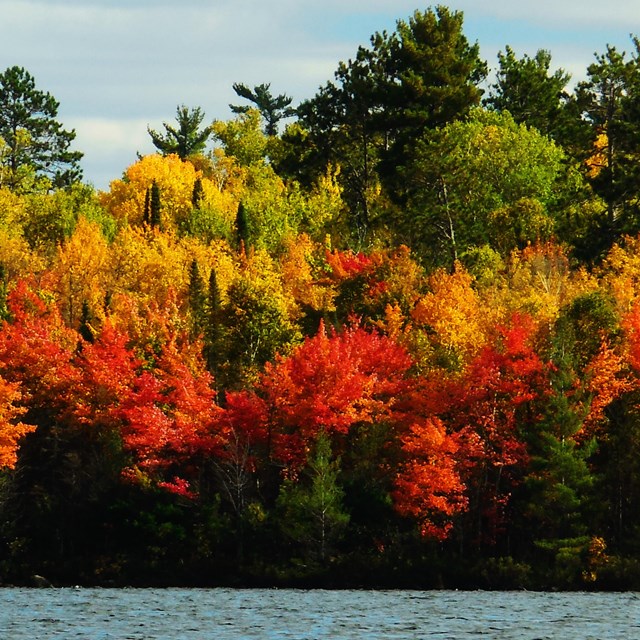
x,y
533,95
242,138
49,219
272,108
311,510
484,181
35,143
186,139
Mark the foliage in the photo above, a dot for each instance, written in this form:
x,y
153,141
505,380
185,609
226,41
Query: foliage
x,y
32,143
186,140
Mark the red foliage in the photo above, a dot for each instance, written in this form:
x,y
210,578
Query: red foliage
x,y
37,351
428,486
330,383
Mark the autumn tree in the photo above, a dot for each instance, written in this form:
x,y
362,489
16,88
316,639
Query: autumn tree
x,y
11,429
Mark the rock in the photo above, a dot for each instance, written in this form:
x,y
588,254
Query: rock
x,y
40,581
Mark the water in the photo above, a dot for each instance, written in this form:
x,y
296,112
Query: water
x,y
229,614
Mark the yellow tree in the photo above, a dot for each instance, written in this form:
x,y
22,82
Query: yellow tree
x,y
79,272
175,179
454,317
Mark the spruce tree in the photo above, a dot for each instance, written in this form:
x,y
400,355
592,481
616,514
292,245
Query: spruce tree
x,y
155,218
242,227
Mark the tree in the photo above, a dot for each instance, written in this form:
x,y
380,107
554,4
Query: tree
x,y
482,181
529,92
422,76
36,144
272,108
186,140
331,383
11,429
609,100
155,206
312,511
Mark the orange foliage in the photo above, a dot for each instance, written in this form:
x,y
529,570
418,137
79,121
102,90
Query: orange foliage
x,y
428,486
11,430
606,380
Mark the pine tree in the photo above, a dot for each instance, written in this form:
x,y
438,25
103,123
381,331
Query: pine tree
x,y
198,193
155,218
186,140
242,227
36,144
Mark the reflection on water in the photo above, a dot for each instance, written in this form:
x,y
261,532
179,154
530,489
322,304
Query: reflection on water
x,y
229,614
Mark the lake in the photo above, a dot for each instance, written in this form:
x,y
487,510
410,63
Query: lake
x,y
231,614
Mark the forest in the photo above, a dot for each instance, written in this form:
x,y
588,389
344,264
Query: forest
x,y
389,337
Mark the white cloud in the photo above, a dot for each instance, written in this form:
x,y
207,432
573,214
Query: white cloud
x,y
118,65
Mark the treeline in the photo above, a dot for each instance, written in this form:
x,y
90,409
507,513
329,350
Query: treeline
x,y
395,342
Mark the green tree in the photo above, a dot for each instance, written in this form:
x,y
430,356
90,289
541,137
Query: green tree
x,y
312,508
609,100
36,145
528,90
484,181
272,108
422,76
155,206
185,140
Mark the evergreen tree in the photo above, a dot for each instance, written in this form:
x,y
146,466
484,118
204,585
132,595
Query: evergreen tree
x,y
272,108
84,328
155,206
242,227
186,139
420,77
146,213
198,193
312,508
609,100
533,95
214,329
36,145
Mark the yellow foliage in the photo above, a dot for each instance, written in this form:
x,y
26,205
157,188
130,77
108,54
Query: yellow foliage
x,y
300,275
538,281
620,273
175,179
80,271
18,259
453,313
11,209
264,275
598,159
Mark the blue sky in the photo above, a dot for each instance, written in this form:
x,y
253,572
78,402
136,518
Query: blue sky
x,y
117,66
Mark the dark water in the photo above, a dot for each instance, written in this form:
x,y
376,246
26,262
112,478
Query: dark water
x,y
225,614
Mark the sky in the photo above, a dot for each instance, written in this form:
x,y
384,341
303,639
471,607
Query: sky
x,y
118,66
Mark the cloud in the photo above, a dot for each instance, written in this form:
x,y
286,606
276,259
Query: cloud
x,y
118,65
